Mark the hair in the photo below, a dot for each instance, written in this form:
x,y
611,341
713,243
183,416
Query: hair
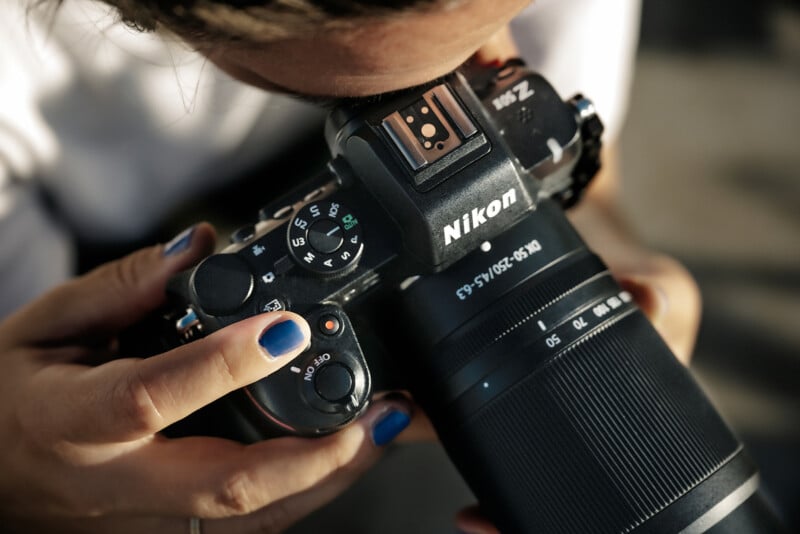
x,y
260,21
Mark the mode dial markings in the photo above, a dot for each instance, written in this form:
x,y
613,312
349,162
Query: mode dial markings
x,y
325,237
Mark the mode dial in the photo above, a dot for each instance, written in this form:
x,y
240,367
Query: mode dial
x,y
325,238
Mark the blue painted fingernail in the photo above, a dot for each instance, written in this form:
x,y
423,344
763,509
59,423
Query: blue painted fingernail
x,y
389,426
179,243
281,338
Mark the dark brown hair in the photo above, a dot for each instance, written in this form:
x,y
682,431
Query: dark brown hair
x,y
259,21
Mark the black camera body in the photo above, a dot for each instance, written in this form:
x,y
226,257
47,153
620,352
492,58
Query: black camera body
x,y
440,219
443,180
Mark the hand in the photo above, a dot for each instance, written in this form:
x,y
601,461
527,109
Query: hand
x,y
660,285
79,445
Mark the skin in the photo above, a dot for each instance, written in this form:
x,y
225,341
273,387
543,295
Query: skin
x,y
389,55
80,449
380,56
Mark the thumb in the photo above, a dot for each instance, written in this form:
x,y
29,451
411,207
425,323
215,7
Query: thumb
x,y
114,295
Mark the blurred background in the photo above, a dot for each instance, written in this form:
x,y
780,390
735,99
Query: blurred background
x,y
711,171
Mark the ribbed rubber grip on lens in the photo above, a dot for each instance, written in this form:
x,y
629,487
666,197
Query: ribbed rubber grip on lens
x,y
599,439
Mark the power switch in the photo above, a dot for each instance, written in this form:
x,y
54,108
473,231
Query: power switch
x,y
333,382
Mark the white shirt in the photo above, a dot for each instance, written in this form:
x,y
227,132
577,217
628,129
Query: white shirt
x,y
115,127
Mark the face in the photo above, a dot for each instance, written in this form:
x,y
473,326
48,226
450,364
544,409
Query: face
x,y
376,57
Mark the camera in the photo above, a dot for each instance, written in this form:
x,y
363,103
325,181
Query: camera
x,y
444,205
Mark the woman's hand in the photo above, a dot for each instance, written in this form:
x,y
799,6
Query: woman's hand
x,y
79,443
660,285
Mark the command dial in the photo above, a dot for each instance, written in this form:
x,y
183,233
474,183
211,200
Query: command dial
x,y
325,238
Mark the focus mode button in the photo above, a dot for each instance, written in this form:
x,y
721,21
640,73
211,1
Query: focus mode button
x,y
222,283
333,382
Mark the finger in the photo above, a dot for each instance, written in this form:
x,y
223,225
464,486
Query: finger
x,y
215,478
285,512
113,296
471,521
127,399
420,428
498,49
669,296
281,515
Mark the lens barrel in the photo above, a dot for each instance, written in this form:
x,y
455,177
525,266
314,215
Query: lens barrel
x,y
556,399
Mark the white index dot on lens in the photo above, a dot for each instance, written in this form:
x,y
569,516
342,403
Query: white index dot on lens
x,y
428,129
486,246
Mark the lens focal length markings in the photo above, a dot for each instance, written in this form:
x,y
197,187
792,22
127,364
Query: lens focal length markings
x,y
544,333
497,269
548,346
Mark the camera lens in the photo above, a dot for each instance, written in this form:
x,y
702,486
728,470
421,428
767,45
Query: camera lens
x,y
557,400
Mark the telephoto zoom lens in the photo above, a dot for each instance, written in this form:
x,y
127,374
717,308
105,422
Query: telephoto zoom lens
x,y
559,403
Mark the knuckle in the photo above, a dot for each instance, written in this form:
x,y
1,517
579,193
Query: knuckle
x,y
137,405
222,359
237,495
125,273
128,275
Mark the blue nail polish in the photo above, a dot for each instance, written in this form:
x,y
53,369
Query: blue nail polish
x,y
179,243
389,426
281,338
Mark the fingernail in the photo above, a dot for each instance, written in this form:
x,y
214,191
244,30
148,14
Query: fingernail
x,y
179,243
282,338
389,426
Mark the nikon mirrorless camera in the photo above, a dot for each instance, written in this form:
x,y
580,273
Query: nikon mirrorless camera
x,y
439,224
